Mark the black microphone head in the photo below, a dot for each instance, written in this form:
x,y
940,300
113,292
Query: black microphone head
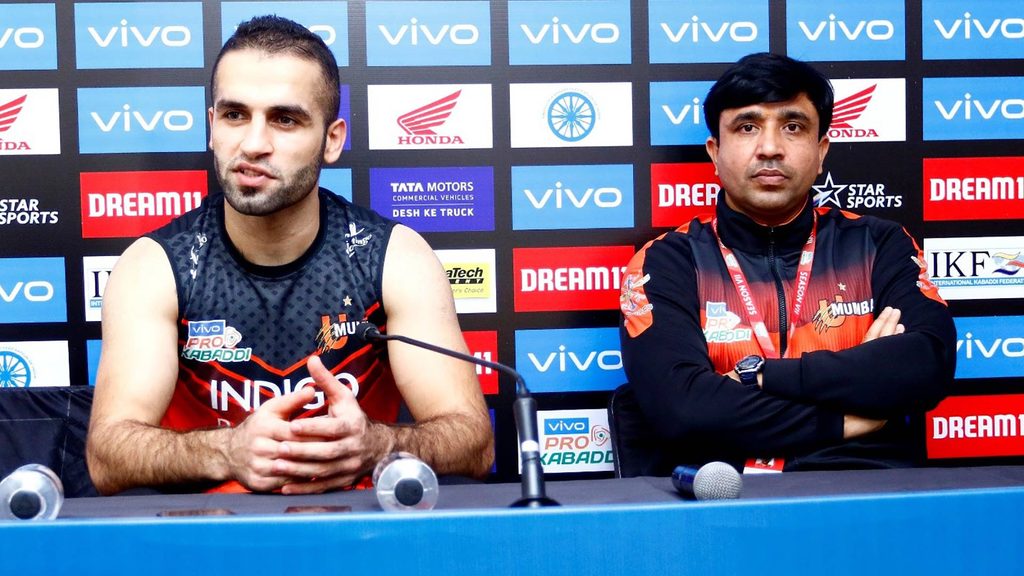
x,y
366,332
717,481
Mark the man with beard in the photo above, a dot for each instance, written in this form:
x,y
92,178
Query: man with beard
x,y
228,357
772,334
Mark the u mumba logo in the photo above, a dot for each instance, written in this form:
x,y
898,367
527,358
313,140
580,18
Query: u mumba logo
x,y
571,116
15,371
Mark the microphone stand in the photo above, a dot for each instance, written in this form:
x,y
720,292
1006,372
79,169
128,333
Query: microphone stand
x,y
524,409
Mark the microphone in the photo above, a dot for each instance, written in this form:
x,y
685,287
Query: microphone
x,y
712,481
404,482
524,408
32,492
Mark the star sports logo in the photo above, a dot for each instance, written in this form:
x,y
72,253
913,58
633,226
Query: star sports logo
x,y
421,121
858,196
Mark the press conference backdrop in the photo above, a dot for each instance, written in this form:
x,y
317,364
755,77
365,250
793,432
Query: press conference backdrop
x,y
575,134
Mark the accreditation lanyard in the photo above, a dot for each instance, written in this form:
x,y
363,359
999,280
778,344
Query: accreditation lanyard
x,y
739,281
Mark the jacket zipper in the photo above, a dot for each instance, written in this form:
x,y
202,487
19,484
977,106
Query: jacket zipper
x,y
780,291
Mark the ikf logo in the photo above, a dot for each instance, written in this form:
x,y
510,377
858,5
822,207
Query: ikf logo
x,y
471,274
484,345
29,122
129,204
427,33
574,441
34,364
677,113
435,199
974,188
577,278
157,119
570,360
328,20
681,192
570,197
139,35
967,31
691,31
976,268
32,290
95,273
569,32
973,108
844,31
28,37
990,347
977,426
571,115
869,110
429,116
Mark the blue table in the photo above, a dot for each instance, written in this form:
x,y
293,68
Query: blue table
x,y
925,521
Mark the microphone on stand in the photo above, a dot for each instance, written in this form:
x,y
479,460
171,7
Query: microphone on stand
x,y
524,409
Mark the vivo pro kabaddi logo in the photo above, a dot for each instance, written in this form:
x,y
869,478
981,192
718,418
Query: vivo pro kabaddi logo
x,y
214,341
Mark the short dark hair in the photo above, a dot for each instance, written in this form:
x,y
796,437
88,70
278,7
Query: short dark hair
x,y
765,77
275,35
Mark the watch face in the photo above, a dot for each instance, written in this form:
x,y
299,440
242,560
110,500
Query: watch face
x,y
749,363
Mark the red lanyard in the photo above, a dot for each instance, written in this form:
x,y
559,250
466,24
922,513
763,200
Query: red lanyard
x,y
739,281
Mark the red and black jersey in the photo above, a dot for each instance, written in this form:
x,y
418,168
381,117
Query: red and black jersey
x,y
246,331
685,326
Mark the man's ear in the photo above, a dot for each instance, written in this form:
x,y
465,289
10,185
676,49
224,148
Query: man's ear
x,y
334,140
822,152
711,145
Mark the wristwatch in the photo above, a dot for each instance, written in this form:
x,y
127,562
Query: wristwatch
x,y
748,368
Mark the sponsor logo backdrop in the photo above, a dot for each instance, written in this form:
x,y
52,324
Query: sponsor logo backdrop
x,y
536,145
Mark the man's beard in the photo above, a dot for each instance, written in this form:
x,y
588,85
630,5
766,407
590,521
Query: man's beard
x,y
286,191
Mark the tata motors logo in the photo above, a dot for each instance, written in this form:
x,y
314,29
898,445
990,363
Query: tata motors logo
x,y
139,35
689,31
95,273
427,33
677,113
34,364
569,32
577,278
157,119
680,192
129,204
326,19
32,290
570,197
971,30
848,195
990,347
976,426
29,122
471,274
845,31
974,188
483,344
574,441
869,110
28,37
435,199
976,268
973,108
570,360
430,116
571,115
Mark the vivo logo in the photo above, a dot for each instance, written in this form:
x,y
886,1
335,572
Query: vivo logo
x,y
1007,347
969,108
696,31
563,360
460,34
126,35
688,113
600,33
604,197
567,426
1010,28
34,291
836,29
28,37
128,119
